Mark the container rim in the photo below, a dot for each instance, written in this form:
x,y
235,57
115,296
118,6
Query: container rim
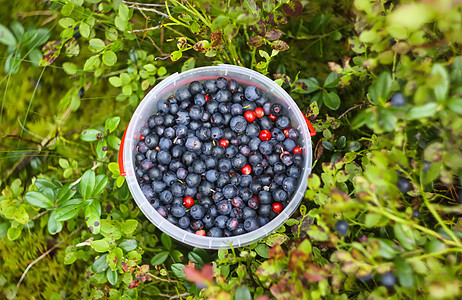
x,y
126,159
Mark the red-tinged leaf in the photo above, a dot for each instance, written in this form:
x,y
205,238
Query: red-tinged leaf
x,y
314,273
127,268
273,34
282,290
276,253
200,277
259,28
280,45
256,41
293,9
283,76
202,46
134,284
264,297
51,52
276,19
297,261
335,67
144,269
215,38
72,47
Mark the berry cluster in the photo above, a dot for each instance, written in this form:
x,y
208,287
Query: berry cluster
x,y
217,159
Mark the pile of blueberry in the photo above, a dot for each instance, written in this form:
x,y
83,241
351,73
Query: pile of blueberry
x,y
218,159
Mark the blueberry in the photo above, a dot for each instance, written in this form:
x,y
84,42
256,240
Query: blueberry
x,y
222,83
211,106
236,109
211,175
216,133
145,165
217,119
262,220
287,159
276,109
255,159
183,94
210,86
261,101
177,151
265,197
266,123
196,225
239,230
151,140
162,211
230,191
199,166
250,224
174,108
165,143
193,180
238,98
245,193
341,227
172,219
398,100
155,173
265,210
289,145
224,165
159,120
164,157
195,87
265,148
388,280
220,221
182,118
294,134
142,147
279,195
416,214
236,179
404,185
205,189
163,106
253,203
215,232
210,163
232,223
184,222
236,213
208,221
147,191
238,161
248,105
197,212
193,144
223,179
224,207
223,96
293,171
289,184
254,143
177,189
178,211
169,178
252,130
195,112
252,93
248,212
188,157
233,85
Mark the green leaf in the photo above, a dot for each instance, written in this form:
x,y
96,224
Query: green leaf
x,y
101,149
13,233
87,184
166,241
262,250
331,100
54,226
38,199
387,248
90,63
242,293
331,81
405,273
327,145
67,212
372,220
12,63
100,264
404,235
195,258
380,90
111,124
65,193
162,71
114,142
70,68
4,229
6,37
35,56
129,226
423,111
100,245
115,81
112,276
176,55
189,64
159,258
100,183
96,45
84,30
109,58
123,11
441,90
42,183
177,269
92,216
129,245
17,29
455,105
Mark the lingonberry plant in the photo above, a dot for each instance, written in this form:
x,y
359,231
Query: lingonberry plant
x,y
379,80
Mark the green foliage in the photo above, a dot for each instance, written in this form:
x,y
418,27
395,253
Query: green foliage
x,y
62,190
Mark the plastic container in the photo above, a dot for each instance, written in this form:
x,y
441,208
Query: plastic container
x,y
168,87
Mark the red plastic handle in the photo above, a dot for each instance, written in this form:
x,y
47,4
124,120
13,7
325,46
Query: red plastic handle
x,y
310,126
121,155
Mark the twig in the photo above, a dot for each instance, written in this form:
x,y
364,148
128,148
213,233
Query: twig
x,y
144,4
350,109
150,9
39,215
155,45
36,13
162,279
174,297
146,29
21,138
95,165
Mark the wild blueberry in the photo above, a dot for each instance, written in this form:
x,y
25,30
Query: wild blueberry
x,y
398,100
224,207
215,232
184,222
164,157
388,280
195,87
193,144
183,94
197,212
250,224
210,86
252,93
341,227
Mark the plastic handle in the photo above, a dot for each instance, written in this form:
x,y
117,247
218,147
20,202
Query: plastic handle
x,y
310,126
121,155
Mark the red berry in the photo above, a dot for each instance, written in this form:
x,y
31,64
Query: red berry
x,y
259,112
256,198
265,135
249,116
297,150
188,201
224,143
286,131
246,170
142,137
207,98
200,232
273,117
277,207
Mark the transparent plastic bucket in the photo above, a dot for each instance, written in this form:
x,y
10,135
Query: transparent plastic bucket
x,y
168,87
